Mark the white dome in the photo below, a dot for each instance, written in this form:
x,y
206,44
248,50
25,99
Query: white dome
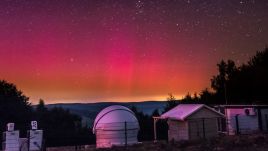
x,y
115,125
114,114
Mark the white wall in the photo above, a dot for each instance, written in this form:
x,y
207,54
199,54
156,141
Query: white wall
x,y
11,141
264,119
178,130
113,134
247,124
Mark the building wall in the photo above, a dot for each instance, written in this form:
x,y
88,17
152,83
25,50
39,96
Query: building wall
x,y
203,128
178,130
192,127
204,113
106,138
210,118
247,124
264,114
195,129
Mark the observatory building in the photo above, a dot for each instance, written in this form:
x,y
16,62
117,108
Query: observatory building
x,y
115,125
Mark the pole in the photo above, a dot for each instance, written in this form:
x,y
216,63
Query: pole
x,y
125,134
220,125
225,93
155,132
204,130
266,121
28,139
259,118
237,124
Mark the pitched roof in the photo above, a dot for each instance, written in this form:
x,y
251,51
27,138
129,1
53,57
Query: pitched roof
x,y
242,106
182,111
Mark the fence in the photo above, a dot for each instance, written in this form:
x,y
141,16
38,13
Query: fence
x,y
205,127
244,124
120,134
237,124
192,129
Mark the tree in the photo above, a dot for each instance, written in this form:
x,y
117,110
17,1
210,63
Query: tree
x,y
260,59
251,83
219,83
41,108
14,107
155,113
146,125
206,97
195,98
188,98
171,102
61,127
246,84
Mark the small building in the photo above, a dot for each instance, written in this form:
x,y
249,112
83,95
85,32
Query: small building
x,y
245,119
191,122
115,125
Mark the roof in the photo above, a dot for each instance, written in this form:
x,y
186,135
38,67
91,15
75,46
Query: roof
x,y
114,114
242,106
182,111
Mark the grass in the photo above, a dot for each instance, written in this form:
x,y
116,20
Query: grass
x,y
256,142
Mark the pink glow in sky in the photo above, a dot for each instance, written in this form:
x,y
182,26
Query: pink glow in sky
x,y
89,50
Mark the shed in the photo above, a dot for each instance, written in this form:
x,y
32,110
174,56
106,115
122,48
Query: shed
x,y
191,122
245,119
115,125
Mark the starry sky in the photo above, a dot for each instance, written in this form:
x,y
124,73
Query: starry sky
x,y
124,50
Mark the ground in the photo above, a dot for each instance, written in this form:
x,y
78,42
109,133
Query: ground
x,y
257,142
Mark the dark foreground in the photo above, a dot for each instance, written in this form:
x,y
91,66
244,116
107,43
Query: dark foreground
x,y
258,142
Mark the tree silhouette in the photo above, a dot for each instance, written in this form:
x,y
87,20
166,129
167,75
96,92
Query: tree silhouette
x,y
187,98
61,127
251,82
146,122
219,83
146,125
155,113
14,107
41,108
246,84
171,102
206,97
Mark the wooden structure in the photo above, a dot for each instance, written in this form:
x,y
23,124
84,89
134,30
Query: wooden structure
x,y
190,122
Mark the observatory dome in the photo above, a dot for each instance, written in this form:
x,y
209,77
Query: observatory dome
x,y
115,125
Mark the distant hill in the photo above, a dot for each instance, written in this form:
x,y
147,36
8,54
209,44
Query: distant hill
x,y
88,111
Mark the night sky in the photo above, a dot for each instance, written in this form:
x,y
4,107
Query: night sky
x,y
124,50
